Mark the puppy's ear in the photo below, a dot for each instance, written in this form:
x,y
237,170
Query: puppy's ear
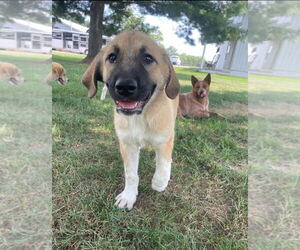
x,y
207,79
92,75
194,80
173,87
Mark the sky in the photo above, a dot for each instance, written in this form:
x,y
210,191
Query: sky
x,y
168,28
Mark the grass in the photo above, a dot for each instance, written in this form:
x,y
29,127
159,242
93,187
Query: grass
x,y
205,204
274,185
25,150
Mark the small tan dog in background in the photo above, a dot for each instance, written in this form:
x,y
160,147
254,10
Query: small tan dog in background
x,y
11,73
58,74
195,103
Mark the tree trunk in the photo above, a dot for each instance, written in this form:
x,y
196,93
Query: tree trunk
x,y
95,30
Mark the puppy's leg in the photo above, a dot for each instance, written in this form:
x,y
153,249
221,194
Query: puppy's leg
x,y
103,94
163,165
130,155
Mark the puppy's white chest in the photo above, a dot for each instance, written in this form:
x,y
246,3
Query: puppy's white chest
x,y
135,130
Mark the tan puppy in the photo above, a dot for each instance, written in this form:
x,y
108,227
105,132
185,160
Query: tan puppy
x,y
58,74
10,73
195,103
142,82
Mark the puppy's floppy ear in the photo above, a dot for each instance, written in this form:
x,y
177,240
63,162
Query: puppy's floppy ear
x,y
92,75
207,79
194,80
172,87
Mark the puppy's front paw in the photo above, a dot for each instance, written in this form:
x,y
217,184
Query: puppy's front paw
x,y
126,199
159,184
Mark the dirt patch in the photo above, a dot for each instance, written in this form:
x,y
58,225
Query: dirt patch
x,y
278,108
231,109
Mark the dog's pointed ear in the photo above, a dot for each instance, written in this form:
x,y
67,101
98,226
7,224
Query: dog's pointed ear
x,y
194,80
92,75
207,79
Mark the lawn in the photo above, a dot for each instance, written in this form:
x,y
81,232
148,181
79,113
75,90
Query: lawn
x,y
25,152
205,204
274,179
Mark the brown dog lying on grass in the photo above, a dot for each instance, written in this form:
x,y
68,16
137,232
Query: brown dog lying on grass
x,y
195,103
11,73
58,74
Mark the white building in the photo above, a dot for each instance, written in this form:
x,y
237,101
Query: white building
x,y
231,56
25,36
277,58
70,36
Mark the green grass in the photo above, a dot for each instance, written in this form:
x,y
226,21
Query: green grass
x,y
25,151
273,158
205,204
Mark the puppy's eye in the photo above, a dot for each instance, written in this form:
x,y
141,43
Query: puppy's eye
x,y
148,59
112,58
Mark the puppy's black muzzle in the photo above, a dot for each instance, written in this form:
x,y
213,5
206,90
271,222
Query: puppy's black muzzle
x,y
126,88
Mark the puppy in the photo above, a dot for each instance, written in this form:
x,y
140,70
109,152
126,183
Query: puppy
x,y
143,85
10,73
58,74
195,103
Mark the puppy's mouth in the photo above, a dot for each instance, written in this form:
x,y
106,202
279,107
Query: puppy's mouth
x,y
132,107
61,81
14,80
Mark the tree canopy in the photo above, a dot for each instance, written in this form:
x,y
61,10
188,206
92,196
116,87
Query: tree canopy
x,y
212,18
265,24
35,11
118,16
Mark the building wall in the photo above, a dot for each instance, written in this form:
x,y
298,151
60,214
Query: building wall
x,y
221,60
286,56
239,60
8,44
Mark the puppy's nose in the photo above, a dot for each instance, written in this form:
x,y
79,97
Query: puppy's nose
x,y
126,87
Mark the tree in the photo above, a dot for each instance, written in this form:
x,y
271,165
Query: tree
x,y
171,51
138,23
264,21
190,60
75,10
212,18
106,18
95,30
35,11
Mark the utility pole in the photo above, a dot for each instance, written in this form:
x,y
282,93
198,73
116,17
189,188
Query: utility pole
x,y
203,54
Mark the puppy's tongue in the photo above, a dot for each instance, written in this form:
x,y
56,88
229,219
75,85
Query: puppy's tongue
x,y
13,80
61,81
127,105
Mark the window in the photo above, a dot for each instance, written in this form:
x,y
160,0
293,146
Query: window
x,y
7,35
47,39
56,35
36,45
36,38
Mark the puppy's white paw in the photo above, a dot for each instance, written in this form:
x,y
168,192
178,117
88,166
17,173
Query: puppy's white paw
x,y
126,199
159,184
